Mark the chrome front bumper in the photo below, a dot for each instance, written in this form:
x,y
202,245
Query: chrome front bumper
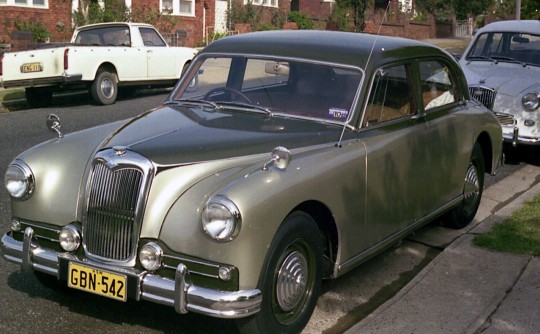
x,y
515,138
178,293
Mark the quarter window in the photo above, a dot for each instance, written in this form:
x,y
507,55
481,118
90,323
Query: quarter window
x,y
436,85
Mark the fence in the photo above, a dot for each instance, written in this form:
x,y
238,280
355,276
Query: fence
x,y
463,28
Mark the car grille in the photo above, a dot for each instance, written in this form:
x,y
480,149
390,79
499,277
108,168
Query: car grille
x,y
485,95
505,119
114,204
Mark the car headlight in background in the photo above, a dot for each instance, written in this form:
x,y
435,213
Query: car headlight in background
x,y
531,101
19,180
221,219
151,256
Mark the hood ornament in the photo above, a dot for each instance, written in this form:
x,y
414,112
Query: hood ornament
x,y
53,123
119,150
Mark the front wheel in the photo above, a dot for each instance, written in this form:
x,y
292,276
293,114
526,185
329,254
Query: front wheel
x,y
291,279
473,188
105,88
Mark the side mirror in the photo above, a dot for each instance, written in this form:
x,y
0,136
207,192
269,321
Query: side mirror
x,y
53,123
281,157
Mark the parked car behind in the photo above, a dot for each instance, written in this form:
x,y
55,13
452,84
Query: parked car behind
x,y
279,160
502,66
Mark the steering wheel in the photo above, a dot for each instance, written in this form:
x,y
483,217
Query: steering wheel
x,y
227,90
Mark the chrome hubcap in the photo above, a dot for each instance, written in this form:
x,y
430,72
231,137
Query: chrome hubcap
x,y
107,88
471,190
291,281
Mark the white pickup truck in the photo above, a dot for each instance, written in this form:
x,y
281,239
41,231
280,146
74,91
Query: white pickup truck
x,y
100,57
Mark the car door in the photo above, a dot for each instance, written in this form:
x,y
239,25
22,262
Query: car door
x,y
396,139
439,101
161,62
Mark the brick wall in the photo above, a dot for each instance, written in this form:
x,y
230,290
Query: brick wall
x,y
58,25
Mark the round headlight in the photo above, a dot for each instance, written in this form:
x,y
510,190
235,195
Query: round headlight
x,y
19,180
70,238
221,219
531,101
150,256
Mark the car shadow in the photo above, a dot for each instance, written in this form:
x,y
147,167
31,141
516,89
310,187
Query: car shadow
x,y
522,154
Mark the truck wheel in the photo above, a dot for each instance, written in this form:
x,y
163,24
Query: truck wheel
x,y
38,97
104,88
290,280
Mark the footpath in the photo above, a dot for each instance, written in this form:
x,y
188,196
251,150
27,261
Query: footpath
x,y
467,289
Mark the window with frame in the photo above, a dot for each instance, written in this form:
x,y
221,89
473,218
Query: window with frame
x,y
26,3
390,96
178,7
437,85
150,37
266,3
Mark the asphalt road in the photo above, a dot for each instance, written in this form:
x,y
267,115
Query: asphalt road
x,y
29,307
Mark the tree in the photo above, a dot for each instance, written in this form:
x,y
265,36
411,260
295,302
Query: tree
x,y
464,8
530,9
90,11
442,10
359,8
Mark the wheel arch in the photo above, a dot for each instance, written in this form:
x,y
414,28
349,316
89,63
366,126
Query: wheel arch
x,y
107,67
328,229
487,151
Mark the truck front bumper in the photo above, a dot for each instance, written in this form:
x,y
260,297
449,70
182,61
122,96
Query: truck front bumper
x,y
178,292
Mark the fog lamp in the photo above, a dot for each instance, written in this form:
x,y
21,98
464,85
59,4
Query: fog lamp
x,y
70,238
151,256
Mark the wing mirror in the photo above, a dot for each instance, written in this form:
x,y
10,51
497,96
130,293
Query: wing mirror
x,y
53,123
281,157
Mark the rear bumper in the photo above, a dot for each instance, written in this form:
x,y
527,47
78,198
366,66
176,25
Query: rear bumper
x,y
177,292
50,81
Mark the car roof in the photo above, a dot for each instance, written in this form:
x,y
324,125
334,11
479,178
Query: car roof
x,y
528,26
329,46
112,24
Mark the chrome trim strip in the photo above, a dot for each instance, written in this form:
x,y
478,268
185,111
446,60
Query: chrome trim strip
x,y
177,293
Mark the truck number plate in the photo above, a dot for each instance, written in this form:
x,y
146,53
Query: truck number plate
x,y
31,67
97,281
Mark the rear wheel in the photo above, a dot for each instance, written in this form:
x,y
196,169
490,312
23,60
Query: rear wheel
x,y
105,88
473,188
39,97
291,279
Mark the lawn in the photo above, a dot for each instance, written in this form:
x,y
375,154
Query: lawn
x,y
518,234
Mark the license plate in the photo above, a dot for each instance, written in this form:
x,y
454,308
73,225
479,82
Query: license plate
x,y
31,67
97,281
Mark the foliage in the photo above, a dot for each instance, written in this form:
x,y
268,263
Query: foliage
x,y
359,8
530,9
164,22
341,16
464,8
90,11
39,30
441,10
302,19
247,14
518,234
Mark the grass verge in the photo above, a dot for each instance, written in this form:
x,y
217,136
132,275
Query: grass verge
x,y
519,234
11,94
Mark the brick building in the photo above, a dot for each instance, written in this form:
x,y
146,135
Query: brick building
x,y
197,20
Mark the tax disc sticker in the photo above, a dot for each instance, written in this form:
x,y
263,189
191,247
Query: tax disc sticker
x,y
338,113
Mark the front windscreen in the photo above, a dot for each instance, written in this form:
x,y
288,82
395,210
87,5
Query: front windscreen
x,y
506,47
290,87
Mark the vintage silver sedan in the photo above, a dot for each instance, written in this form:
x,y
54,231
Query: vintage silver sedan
x,y
502,67
279,160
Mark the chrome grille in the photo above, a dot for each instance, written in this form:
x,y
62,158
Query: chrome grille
x,y
115,196
506,119
485,95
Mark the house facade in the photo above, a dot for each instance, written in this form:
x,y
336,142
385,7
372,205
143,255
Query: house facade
x,y
196,22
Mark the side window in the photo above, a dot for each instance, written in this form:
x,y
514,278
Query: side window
x,y
150,37
436,85
390,96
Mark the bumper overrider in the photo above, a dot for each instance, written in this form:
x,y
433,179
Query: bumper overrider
x,y
179,292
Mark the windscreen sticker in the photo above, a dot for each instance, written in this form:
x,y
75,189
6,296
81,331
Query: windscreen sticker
x,y
338,113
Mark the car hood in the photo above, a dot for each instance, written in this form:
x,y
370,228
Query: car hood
x,y
505,78
173,135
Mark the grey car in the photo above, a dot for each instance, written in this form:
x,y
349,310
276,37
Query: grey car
x,y
502,66
279,160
